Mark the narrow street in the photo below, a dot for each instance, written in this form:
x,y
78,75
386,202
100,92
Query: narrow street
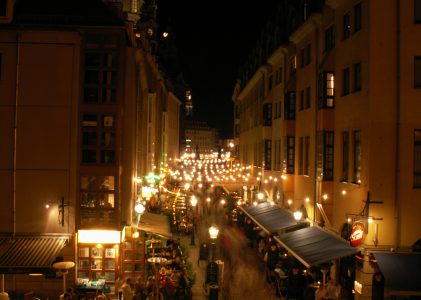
x,y
244,273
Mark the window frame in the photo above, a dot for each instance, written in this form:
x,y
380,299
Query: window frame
x,y
329,38
328,155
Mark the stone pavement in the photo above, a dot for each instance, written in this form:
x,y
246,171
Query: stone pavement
x,y
200,268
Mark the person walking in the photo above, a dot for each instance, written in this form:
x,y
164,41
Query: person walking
x,y
126,290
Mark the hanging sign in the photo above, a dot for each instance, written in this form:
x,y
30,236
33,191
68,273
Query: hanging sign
x,y
357,234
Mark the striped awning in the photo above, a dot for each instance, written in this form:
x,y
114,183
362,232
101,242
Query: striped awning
x,y
29,253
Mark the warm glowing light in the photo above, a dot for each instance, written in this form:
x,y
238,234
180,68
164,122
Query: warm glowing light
x,y
208,199
325,196
213,232
193,201
255,203
222,201
298,215
47,206
99,236
260,196
344,192
307,199
348,220
139,208
165,34
187,186
370,220
289,201
283,176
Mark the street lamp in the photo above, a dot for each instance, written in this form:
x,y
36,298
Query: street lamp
x,y
298,215
213,234
193,202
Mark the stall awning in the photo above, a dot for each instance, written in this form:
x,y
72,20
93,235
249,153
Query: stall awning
x,y
270,218
29,253
402,271
314,246
155,223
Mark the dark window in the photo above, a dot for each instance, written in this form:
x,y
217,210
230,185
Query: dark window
x,y
357,77
329,38
268,154
100,81
326,90
345,155
290,145
1,65
357,156
345,81
270,82
307,103
290,106
267,114
3,8
301,156
357,17
417,158
346,26
280,75
301,99
417,11
306,155
308,54
292,65
302,58
328,154
98,139
417,72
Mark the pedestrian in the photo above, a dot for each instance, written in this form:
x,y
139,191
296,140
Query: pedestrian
x,y
126,289
271,258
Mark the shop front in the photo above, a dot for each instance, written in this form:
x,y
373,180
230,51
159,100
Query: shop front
x,y
97,261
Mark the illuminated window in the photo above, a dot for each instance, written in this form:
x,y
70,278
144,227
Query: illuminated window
x,y
326,90
97,191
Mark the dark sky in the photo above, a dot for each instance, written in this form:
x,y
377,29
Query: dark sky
x,y
214,39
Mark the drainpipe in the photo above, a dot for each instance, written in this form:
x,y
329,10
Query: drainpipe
x,y
15,130
397,201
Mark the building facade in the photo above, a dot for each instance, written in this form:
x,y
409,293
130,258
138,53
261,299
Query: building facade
x,y
344,126
85,111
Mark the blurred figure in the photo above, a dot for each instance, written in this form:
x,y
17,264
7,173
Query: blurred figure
x,y
126,289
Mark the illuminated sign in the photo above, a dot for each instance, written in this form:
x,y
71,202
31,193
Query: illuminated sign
x,y
357,234
98,236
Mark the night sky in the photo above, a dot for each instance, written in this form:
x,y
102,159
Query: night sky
x,y
214,38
